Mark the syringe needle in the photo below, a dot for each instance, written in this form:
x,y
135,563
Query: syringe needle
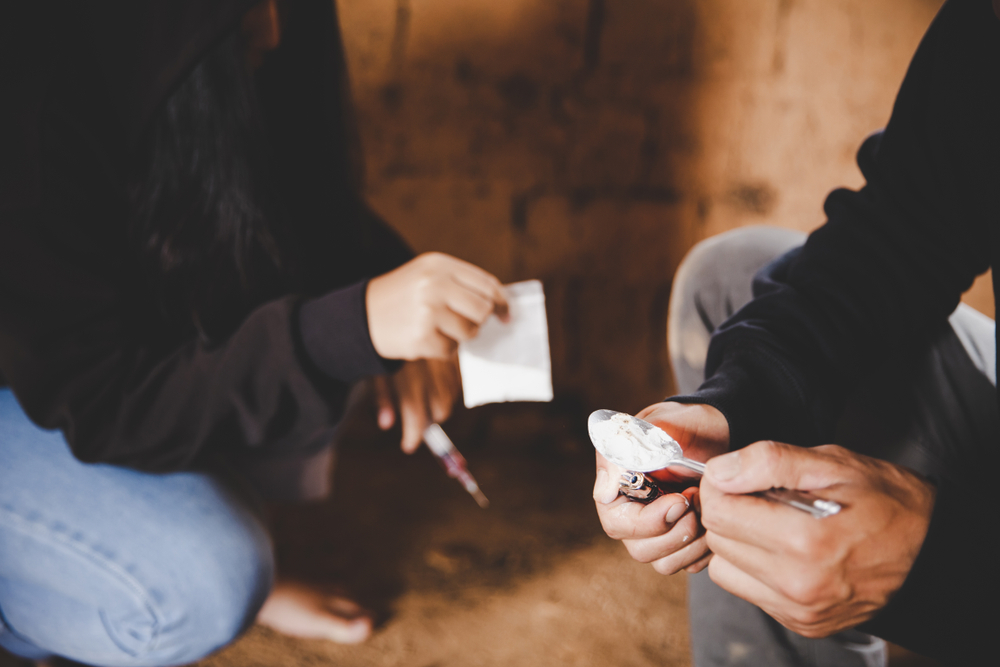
x,y
444,449
473,488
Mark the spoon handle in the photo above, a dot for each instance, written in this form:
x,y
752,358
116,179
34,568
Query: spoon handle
x,y
800,500
690,464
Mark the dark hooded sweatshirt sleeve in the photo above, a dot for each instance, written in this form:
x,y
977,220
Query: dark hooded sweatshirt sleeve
x,y
76,344
882,274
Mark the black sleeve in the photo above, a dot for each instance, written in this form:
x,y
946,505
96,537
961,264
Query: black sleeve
x,y
883,274
70,352
79,341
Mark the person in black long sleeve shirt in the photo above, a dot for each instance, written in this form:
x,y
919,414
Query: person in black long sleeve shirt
x,y
190,281
907,558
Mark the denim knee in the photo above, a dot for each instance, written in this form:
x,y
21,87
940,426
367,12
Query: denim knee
x,y
226,570
165,591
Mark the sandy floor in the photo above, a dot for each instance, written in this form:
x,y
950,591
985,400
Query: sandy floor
x,y
530,581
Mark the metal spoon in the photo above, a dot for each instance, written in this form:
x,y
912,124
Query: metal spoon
x,y
637,445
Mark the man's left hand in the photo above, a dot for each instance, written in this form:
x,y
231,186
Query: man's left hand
x,y
815,576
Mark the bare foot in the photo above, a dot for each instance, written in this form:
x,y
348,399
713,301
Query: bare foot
x,y
298,610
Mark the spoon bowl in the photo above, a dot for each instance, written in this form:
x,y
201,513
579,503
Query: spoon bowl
x,y
635,444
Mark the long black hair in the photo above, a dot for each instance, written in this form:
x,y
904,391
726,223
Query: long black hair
x,y
201,205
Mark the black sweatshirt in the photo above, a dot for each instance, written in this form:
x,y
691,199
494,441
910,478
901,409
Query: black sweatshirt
x,y
82,344
882,274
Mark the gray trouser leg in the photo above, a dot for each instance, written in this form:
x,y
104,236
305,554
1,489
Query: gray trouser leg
x,y
928,410
712,283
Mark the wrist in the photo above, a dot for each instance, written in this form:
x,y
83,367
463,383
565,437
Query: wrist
x,y
373,313
335,335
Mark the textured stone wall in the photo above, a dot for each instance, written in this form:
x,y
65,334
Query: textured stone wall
x,y
590,143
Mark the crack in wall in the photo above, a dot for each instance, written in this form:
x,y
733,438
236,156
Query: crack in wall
x,y
592,35
400,35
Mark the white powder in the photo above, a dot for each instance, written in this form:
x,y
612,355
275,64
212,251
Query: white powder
x,y
622,440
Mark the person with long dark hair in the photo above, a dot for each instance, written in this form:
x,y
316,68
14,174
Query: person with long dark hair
x,y
191,288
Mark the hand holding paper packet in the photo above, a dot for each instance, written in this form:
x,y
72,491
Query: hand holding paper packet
x,y
505,362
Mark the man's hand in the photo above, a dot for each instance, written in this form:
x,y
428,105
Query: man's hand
x,y
815,576
701,431
664,532
424,391
425,308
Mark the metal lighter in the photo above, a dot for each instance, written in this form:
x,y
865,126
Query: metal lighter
x,y
638,487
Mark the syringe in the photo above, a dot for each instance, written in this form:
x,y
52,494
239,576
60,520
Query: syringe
x,y
444,449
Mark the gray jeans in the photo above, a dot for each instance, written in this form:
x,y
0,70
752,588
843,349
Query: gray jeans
x,y
926,407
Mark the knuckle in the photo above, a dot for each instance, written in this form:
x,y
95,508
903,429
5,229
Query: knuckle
x,y
811,632
710,519
711,542
432,257
807,546
696,568
690,525
803,590
771,453
808,619
609,523
428,340
426,287
611,532
799,544
639,551
440,412
668,566
483,310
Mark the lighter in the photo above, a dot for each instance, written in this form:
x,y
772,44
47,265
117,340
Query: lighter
x,y
638,487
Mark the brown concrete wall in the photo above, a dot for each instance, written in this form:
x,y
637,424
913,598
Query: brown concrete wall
x,y
590,143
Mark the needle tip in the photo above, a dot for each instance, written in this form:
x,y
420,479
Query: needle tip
x,y
481,499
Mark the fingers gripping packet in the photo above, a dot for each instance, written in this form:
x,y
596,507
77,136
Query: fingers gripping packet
x,y
510,361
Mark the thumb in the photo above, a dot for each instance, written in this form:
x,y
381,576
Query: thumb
x,y
606,485
768,464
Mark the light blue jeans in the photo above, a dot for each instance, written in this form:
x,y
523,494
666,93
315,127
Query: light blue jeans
x,y
109,566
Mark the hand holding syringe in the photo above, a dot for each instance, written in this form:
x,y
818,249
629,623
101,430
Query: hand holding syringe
x,y
444,449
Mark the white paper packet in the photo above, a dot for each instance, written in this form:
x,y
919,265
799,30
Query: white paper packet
x,y
510,361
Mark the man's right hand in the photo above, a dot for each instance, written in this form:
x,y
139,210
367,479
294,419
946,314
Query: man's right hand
x,y
665,532
425,308
815,577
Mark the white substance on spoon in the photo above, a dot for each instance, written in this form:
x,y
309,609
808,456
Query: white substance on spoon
x,y
623,442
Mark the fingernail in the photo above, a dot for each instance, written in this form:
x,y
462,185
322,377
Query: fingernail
x,y
725,467
604,492
677,511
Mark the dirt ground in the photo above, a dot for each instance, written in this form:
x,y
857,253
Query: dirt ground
x,y
530,581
